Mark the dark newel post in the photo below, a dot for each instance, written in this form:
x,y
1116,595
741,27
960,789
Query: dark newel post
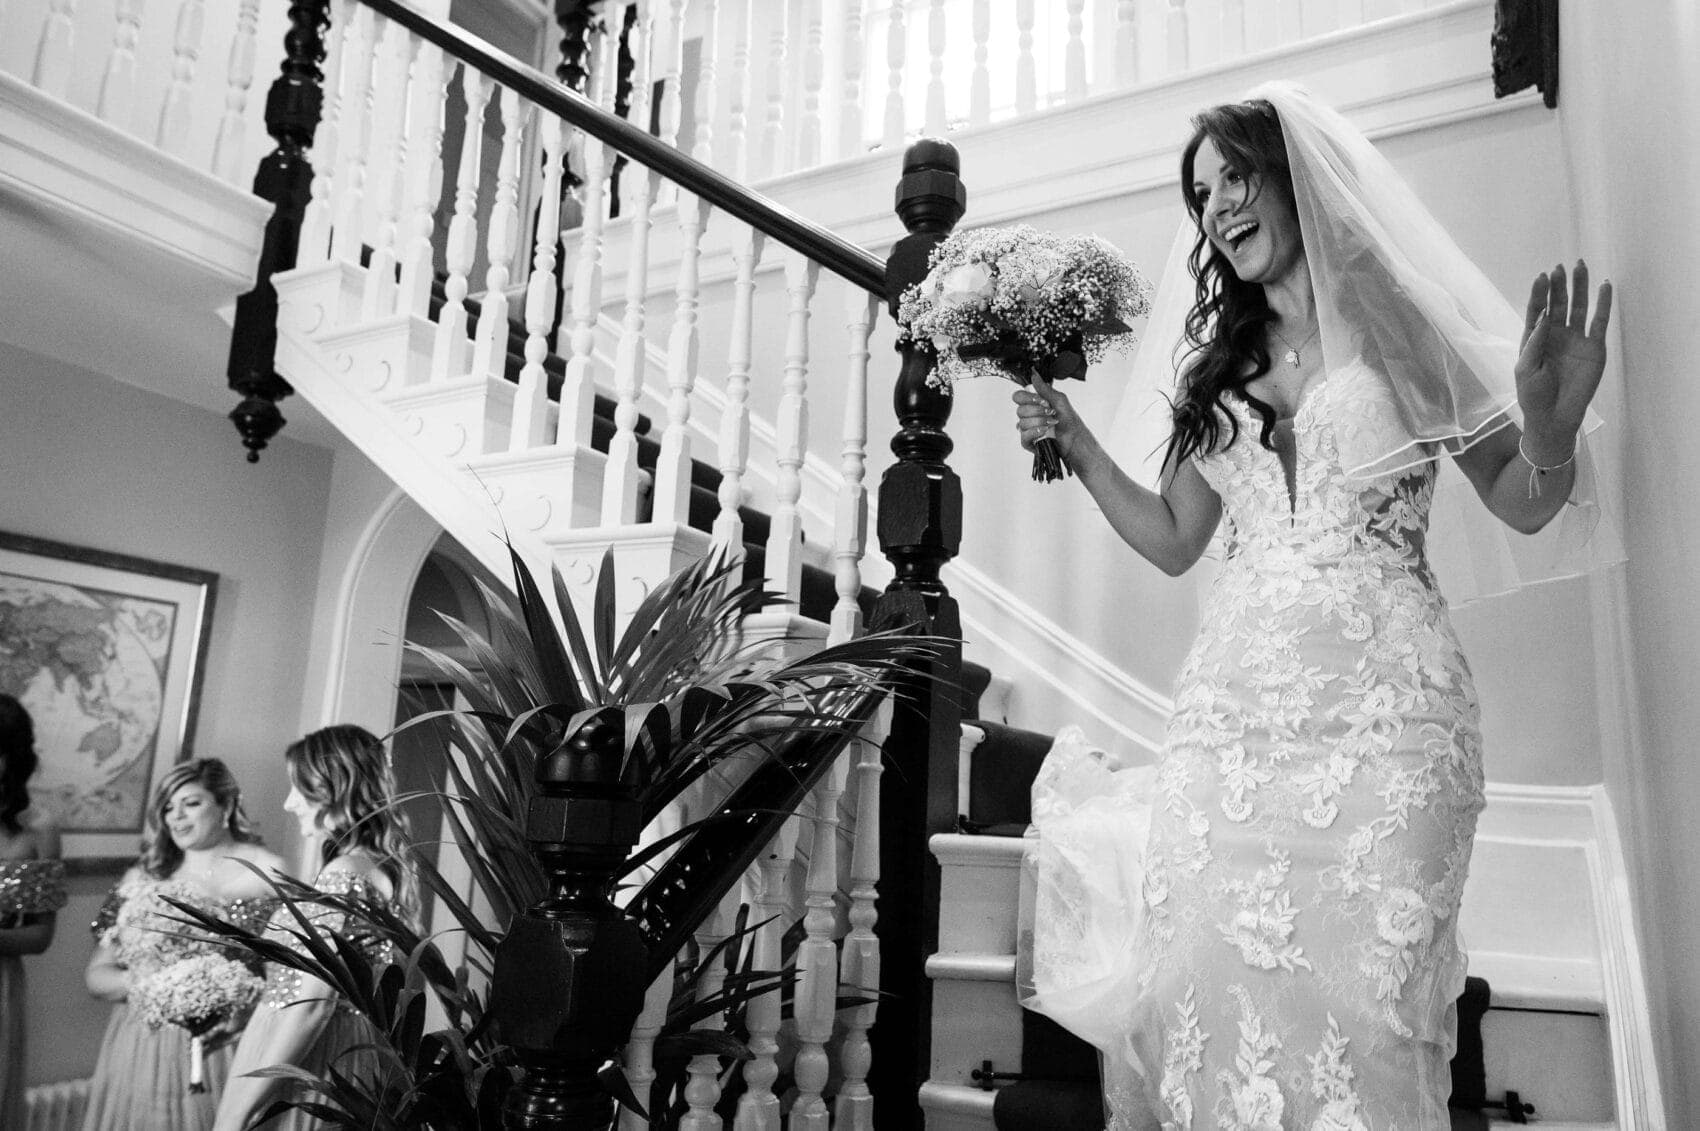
x,y
577,20
285,178
920,529
569,977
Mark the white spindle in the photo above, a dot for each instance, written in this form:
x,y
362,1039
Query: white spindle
x,y
637,198
936,43
389,139
735,418
702,1076
490,342
758,1107
785,535
531,401
173,133
814,76
1026,72
738,108
851,536
1289,21
228,150
578,388
673,469
672,110
118,84
450,351
850,85
896,50
51,73
980,85
859,971
641,43
1179,37
1127,42
815,1007
349,190
707,92
639,1053
422,178
1233,28
772,157
1074,55
321,205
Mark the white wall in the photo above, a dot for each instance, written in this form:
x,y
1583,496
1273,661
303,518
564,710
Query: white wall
x,y
96,463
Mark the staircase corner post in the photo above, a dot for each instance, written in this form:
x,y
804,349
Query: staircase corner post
x,y
920,530
285,178
569,976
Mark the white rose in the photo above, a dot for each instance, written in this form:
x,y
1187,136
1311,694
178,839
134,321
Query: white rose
x,y
1339,1115
1404,918
1258,1105
967,285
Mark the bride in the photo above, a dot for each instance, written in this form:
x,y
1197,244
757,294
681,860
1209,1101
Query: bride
x,y
1289,957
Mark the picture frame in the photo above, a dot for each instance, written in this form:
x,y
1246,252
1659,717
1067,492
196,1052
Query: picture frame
x,y
107,652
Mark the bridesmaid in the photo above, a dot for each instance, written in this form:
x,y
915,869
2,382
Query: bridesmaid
x,y
197,846
32,889
342,792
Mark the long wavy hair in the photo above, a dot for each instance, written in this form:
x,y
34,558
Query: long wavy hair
x,y
160,855
1225,328
17,763
345,771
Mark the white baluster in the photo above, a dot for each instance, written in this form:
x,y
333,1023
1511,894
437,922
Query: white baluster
x,y
859,972
51,73
1289,21
673,468
490,341
1127,42
450,351
758,1107
350,188
1233,28
773,129
815,1006
672,37
851,537
578,388
389,89
316,222
1074,56
118,84
173,133
641,43
702,1076
1179,37
637,192
851,58
785,535
639,1053
738,109
707,93
422,179
896,50
980,85
531,401
735,418
1026,73
228,150
814,76
936,44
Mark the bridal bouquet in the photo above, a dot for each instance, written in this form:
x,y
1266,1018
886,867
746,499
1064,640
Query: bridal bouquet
x,y
1011,301
196,994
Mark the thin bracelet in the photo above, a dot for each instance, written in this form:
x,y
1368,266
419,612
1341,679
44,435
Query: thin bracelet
x,y
1536,470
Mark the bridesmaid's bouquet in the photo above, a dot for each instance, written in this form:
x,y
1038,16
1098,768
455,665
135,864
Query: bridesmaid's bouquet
x,y
1011,301
196,994
149,934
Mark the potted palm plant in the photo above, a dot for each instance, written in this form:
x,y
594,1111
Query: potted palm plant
x,y
573,739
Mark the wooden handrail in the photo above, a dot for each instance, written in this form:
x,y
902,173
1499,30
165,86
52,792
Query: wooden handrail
x,y
832,252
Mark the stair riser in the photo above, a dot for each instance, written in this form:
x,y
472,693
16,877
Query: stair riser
x,y
980,887
957,1109
457,420
384,356
1560,1062
974,1021
547,492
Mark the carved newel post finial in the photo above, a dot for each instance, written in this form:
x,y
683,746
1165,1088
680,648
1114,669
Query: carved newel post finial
x,y
569,975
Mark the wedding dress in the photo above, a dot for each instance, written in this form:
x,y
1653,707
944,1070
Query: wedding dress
x,y
1291,958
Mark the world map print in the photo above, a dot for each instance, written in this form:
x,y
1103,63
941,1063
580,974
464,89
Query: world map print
x,y
90,666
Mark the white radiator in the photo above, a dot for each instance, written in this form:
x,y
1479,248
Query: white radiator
x,y
56,1107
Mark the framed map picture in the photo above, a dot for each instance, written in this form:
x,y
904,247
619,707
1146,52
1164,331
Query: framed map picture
x,y
106,652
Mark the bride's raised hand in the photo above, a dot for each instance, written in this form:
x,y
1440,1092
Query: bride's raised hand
x,y
1041,410
1563,355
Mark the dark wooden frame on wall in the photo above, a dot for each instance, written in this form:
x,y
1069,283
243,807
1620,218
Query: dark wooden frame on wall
x,y
89,851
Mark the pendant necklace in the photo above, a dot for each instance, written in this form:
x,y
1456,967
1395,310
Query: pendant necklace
x,y
1291,357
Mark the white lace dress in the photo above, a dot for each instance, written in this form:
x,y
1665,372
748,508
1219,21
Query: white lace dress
x,y
1294,960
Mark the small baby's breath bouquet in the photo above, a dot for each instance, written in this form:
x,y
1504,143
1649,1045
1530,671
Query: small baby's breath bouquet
x,y
1007,302
196,994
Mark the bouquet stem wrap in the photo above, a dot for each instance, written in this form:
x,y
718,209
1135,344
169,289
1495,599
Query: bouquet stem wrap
x,y
197,1065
